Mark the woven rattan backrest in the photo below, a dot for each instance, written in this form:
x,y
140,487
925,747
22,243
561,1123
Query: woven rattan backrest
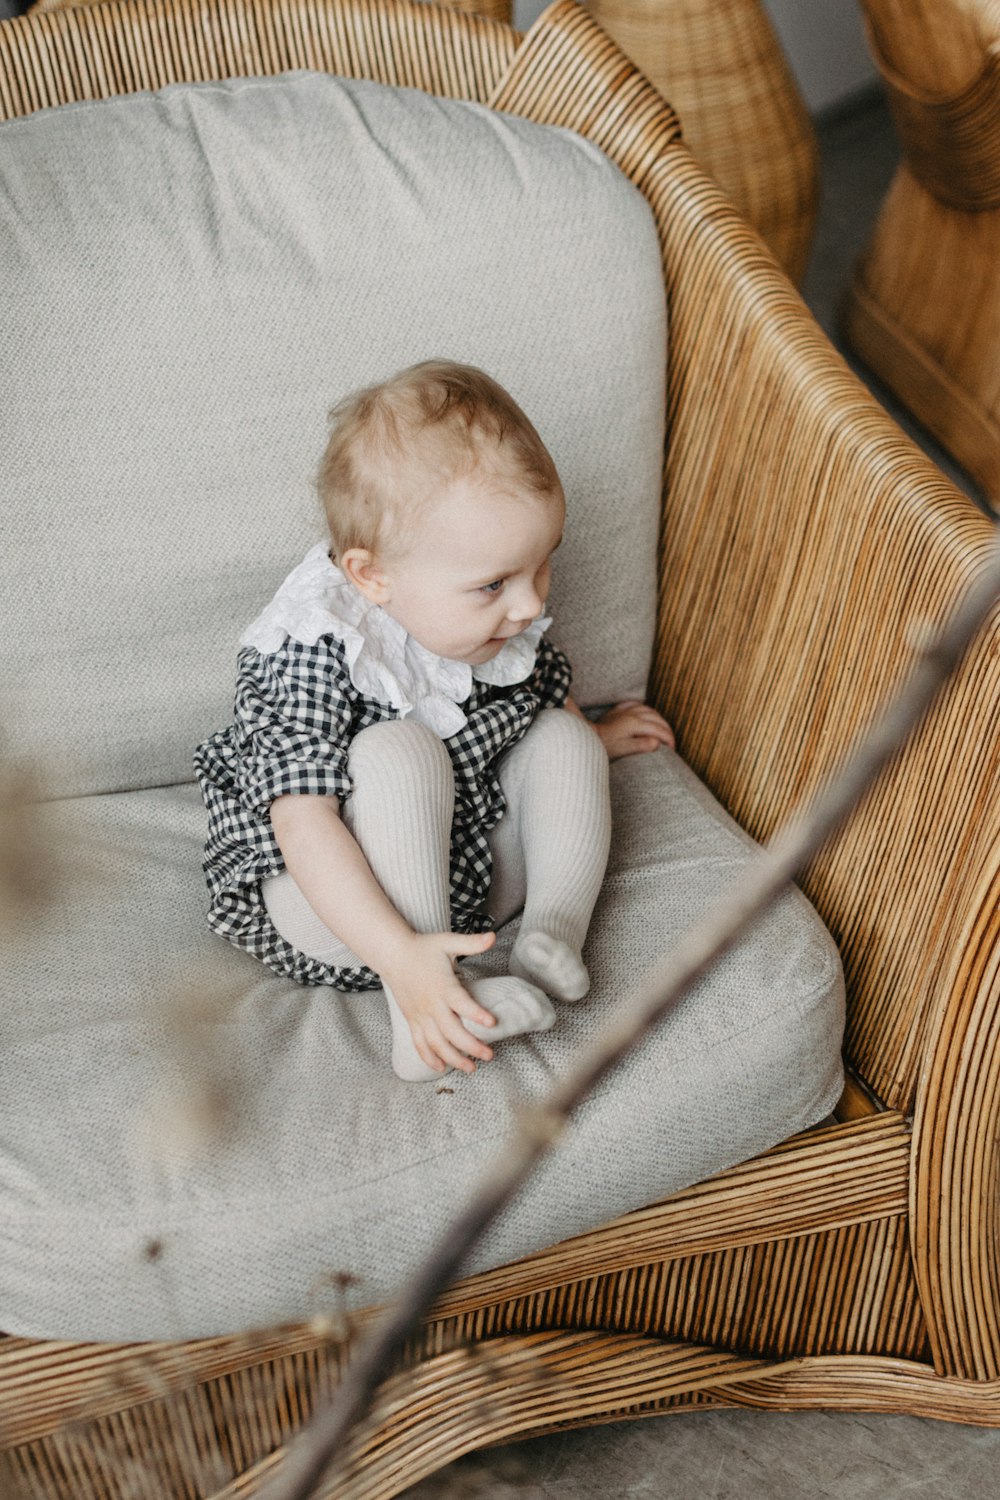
x,y
91,52
800,526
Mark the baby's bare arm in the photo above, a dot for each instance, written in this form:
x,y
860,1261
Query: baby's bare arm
x,y
629,728
329,867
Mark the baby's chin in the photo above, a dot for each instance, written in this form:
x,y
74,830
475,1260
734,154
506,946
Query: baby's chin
x,y
472,656
479,654
485,653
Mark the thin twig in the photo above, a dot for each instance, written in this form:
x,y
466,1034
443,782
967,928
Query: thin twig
x,y
310,1454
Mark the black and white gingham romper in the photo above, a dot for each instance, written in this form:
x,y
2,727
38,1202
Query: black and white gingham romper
x,y
296,713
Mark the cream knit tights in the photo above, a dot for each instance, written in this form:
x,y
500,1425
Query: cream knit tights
x,y
549,850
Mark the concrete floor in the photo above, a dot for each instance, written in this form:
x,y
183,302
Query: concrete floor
x,y
744,1455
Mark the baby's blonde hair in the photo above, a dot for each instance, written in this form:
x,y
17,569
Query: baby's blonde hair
x,y
393,446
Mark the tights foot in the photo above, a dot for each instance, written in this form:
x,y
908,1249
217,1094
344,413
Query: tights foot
x,y
519,1007
552,964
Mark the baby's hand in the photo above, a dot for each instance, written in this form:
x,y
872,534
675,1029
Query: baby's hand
x,y
633,728
433,999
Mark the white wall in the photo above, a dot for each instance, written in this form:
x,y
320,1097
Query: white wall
x,y
826,47
823,38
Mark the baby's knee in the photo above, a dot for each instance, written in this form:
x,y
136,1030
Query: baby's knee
x,y
396,747
564,730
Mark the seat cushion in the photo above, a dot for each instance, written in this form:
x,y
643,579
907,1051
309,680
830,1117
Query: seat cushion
x,y
190,280
130,1210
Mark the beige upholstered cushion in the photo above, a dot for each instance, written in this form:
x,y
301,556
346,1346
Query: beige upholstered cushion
x,y
189,280
334,1165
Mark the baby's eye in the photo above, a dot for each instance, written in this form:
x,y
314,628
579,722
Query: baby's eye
x,y
491,588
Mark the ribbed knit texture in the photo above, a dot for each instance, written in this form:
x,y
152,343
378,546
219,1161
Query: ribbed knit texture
x,y
555,834
400,812
560,816
404,798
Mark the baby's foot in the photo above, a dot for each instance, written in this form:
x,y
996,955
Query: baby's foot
x,y
550,963
519,1007
407,1063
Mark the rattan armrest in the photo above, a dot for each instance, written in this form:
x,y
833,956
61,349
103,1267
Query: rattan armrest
x,y
806,546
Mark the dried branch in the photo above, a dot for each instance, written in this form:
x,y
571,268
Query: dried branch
x,y
310,1455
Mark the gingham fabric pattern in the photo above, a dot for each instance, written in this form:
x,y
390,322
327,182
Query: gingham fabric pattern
x,y
296,713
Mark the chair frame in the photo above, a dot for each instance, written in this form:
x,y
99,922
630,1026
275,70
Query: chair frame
x,y
804,540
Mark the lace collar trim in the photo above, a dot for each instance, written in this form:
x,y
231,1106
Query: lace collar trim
x,y
384,661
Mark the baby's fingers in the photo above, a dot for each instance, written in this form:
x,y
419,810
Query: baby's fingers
x,y
426,1051
464,1004
644,743
437,1050
459,944
449,1050
646,721
662,732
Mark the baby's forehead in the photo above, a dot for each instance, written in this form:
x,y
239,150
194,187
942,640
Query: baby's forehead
x,y
469,521
468,493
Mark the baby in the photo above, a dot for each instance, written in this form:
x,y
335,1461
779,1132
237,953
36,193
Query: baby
x,y
406,771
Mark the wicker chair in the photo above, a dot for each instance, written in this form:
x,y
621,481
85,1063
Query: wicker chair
x,y
804,540
924,306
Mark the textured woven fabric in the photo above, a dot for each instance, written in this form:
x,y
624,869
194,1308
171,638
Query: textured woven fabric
x,y
190,279
333,1165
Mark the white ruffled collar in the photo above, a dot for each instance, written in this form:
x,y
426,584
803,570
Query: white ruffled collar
x,y
384,661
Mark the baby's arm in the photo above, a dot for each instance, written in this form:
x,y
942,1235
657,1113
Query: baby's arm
x,y
329,867
629,728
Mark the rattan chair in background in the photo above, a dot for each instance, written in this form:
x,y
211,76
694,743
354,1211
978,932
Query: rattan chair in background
x,y
720,64
924,307
805,542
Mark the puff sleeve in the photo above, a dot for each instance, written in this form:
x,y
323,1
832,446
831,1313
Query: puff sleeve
x,y
292,724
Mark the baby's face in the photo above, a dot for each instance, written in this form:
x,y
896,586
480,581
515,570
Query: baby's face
x,y
478,570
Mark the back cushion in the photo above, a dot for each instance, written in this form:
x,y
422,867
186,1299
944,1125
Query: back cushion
x,y
189,280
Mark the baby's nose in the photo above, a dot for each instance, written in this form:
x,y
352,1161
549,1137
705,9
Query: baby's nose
x,y
525,604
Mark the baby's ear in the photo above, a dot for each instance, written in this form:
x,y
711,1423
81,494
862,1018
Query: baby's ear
x,y
363,570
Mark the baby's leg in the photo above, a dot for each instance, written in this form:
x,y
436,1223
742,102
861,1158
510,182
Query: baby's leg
x,y
509,880
400,812
556,783
403,804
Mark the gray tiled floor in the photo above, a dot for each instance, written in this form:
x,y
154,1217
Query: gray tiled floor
x,y
744,1455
